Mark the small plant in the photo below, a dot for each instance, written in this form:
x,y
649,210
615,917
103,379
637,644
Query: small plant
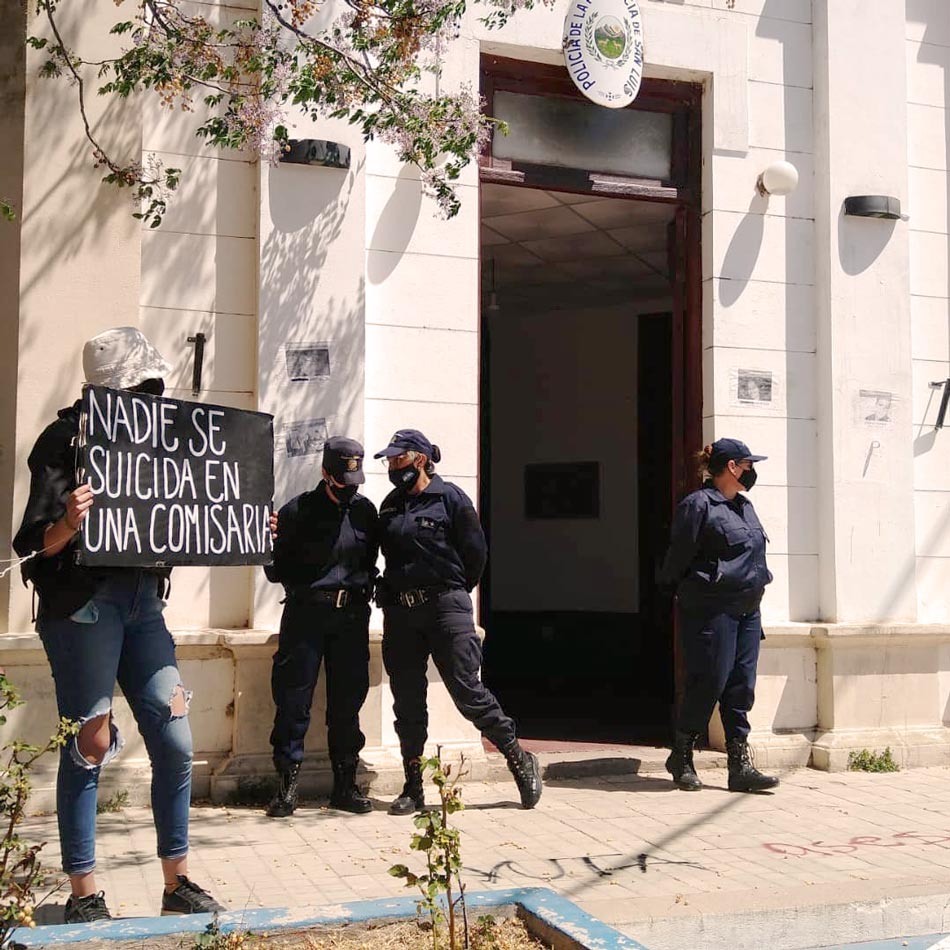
x,y
20,870
441,845
114,803
485,934
214,938
867,761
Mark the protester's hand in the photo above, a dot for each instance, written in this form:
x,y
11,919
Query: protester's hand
x,y
77,506
273,525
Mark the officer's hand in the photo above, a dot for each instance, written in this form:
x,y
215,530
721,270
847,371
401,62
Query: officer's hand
x,y
77,506
273,525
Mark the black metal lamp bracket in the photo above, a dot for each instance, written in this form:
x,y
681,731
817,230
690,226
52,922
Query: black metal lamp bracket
x,y
199,340
943,384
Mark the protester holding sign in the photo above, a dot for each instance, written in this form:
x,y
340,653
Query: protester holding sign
x,y
99,626
435,553
325,556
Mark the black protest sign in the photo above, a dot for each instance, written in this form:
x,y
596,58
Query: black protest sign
x,y
174,482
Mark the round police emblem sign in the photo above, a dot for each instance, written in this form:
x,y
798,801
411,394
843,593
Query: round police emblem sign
x,y
603,50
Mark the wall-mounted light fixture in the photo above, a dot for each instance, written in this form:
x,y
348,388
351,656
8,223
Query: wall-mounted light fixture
x,y
316,152
872,206
780,178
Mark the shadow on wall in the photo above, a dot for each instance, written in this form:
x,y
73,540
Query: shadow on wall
x,y
311,296
861,241
738,263
926,438
88,209
302,302
395,226
67,216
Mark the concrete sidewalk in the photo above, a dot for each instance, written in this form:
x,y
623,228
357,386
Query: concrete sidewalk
x,y
830,859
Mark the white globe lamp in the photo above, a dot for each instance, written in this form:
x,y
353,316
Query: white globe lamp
x,y
780,178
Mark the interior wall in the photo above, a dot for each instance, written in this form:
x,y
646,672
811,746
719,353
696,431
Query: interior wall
x,y
564,389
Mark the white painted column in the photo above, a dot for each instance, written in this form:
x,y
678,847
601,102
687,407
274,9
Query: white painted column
x,y
422,347
865,470
78,255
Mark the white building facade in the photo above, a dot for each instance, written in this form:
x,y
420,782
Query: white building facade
x,y
583,309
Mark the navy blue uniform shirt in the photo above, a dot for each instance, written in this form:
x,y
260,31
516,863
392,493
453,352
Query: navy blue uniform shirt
x,y
717,552
431,538
325,546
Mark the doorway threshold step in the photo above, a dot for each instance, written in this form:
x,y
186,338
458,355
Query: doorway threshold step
x,y
567,760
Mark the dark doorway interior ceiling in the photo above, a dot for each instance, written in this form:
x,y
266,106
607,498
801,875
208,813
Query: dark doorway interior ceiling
x,y
555,250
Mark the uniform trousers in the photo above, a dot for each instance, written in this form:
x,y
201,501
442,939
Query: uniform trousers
x,y
339,638
721,652
444,629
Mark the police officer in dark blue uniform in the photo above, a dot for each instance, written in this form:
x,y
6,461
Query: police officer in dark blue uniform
x,y
717,562
435,553
325,551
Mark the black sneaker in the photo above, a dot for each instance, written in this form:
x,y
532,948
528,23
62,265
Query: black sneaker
x,y
188,898
84,910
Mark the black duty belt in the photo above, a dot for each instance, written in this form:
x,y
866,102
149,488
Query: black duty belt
x,y
419,595
335,598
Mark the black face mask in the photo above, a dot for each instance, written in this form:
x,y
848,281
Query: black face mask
x,y
404,478
150,387
747,479
345,494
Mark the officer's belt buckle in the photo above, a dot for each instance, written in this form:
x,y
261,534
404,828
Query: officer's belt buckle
x,y
412,598
342,597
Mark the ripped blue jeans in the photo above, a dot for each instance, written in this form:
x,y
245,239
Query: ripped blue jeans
x,y
120,636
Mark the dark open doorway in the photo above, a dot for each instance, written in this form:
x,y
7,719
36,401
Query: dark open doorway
x,y
590,405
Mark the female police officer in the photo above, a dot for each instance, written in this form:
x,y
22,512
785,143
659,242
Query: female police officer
x,y
435,552
325,552
717,560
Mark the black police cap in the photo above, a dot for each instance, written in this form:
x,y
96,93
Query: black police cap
x,y
343,459
731,450
410,440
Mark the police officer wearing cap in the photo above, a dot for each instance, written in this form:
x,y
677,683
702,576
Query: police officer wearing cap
x,y
716,560
435,553
325,551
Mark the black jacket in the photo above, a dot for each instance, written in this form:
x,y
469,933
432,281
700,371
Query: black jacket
x,y
716,557
325,546
63,586
431,538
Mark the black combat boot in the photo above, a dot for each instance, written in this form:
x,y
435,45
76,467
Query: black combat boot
x,y
412,798
284,802
680,762
743,775
346,796
527,772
